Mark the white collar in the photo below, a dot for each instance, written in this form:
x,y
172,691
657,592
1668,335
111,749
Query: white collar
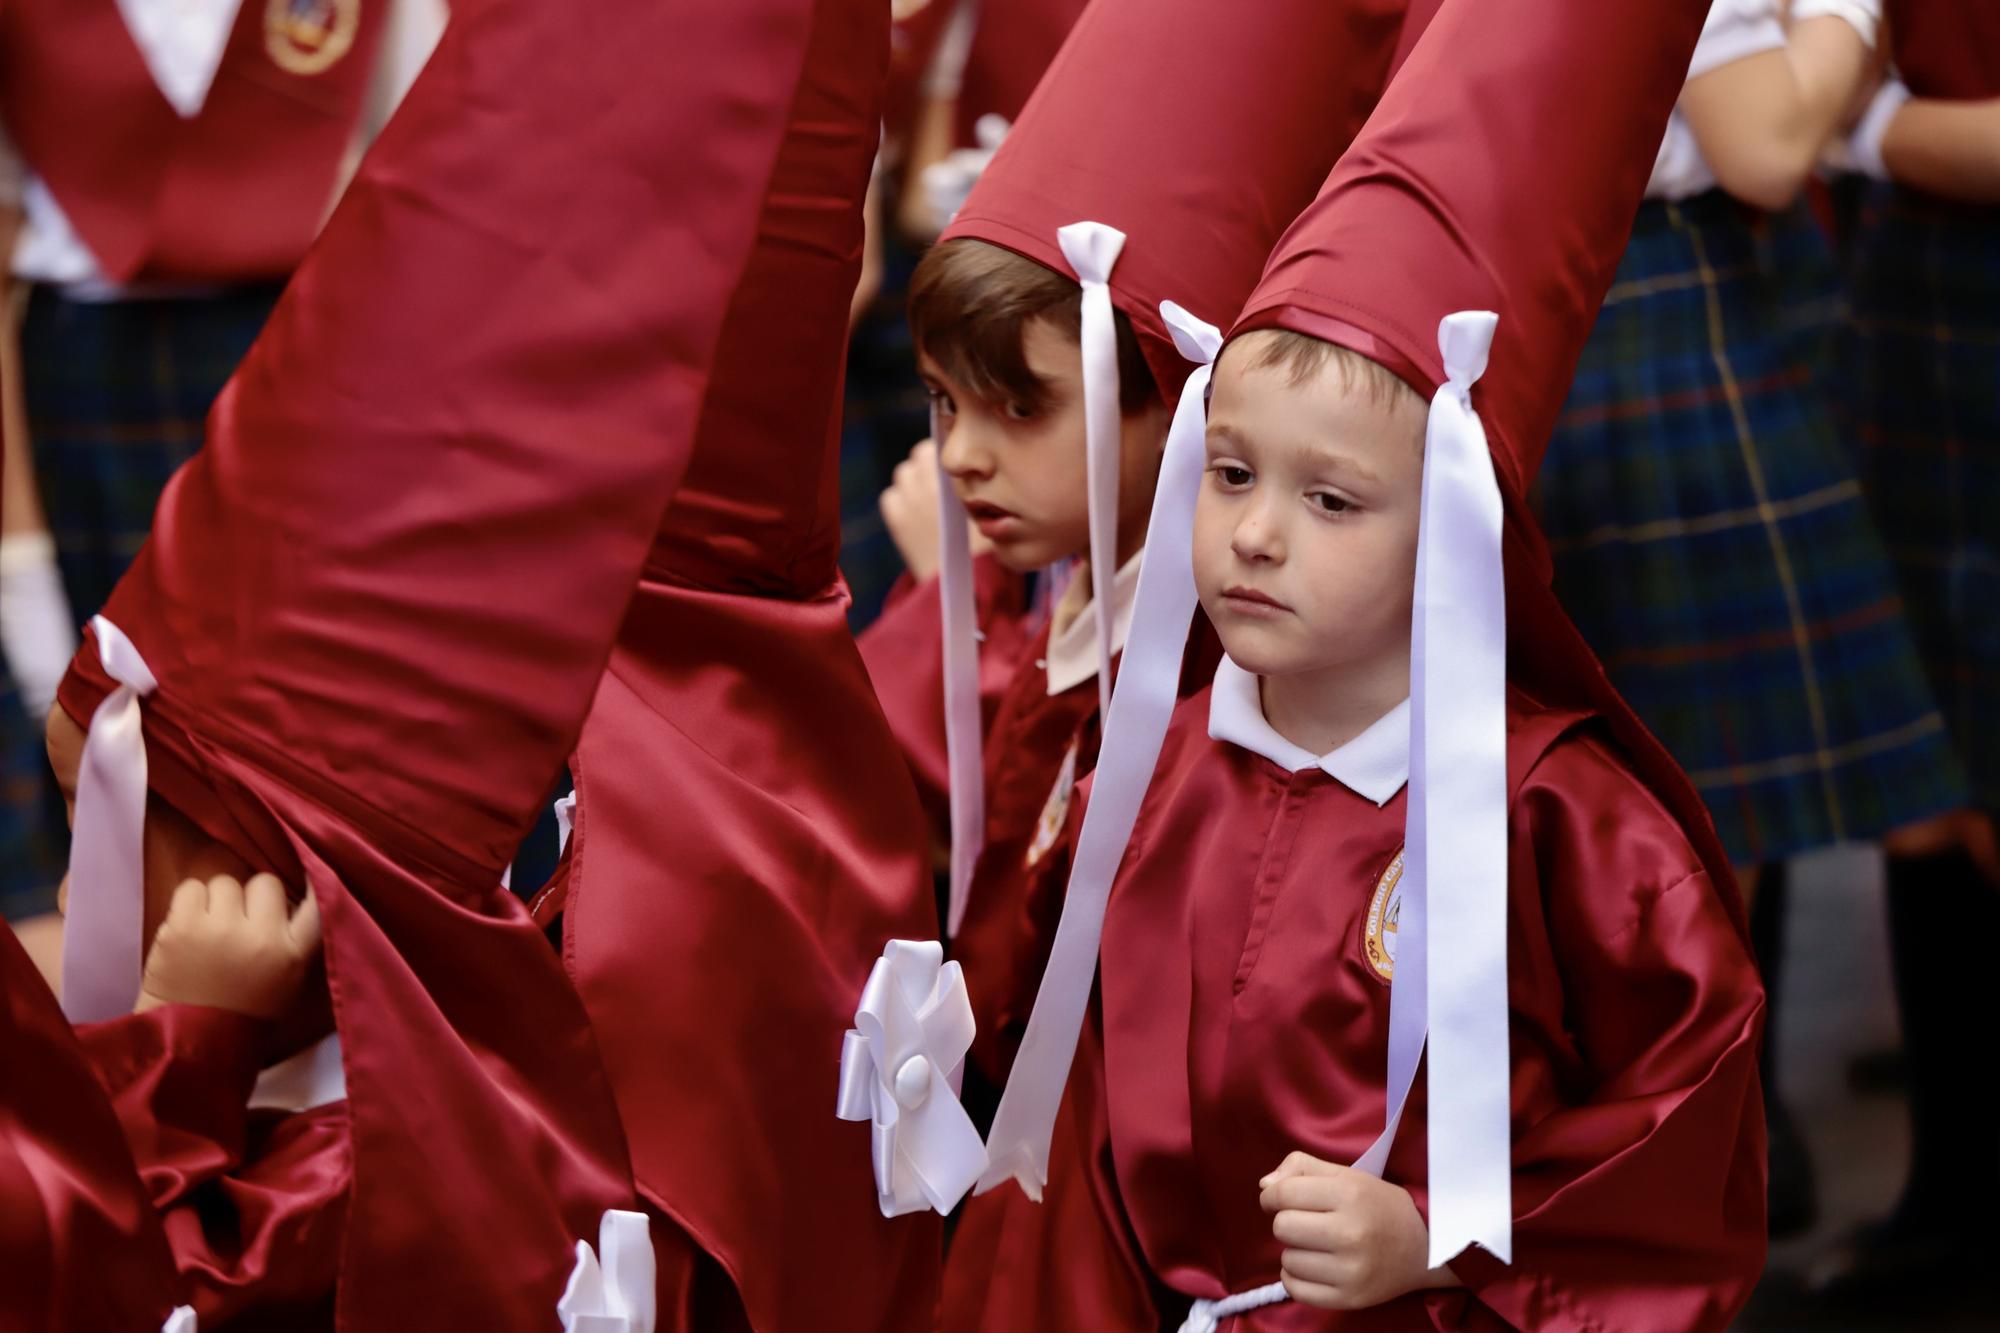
x,y
1375,764
1072,657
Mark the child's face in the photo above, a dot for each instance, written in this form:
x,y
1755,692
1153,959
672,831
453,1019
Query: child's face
x,y
1305,533
1022,475
175,847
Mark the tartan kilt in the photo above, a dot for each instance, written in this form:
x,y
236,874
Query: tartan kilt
x,y
29,809
1921,390
1711,541
117,396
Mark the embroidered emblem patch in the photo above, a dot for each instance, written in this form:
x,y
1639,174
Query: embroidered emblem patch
x,y
1055,810
1385,909
309,36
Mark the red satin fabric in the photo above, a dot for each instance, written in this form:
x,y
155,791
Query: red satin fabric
x,y
1197,132
234,194
1242,1019
1013,43
84,1251
379,601
252,1202
904,653
747,837
1946,48
1015,900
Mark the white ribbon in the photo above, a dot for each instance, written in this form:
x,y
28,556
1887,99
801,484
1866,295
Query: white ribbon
x,y
1451,956
1092,250
104,925
900,1067
963,727
1207,1316
1134,728
180,1321
565,820
616,1295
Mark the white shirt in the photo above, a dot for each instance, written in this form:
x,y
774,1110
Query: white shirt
x,y
1374,765
1734,30
1072,658
182,43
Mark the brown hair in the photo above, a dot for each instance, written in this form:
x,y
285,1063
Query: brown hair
x,y
1304,356
970,307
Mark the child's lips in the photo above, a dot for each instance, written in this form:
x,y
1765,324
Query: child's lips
x,y
1252,602
992,520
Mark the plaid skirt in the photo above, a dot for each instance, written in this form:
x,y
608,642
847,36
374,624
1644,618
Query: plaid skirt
x,y
30,811
1711,541
1921,392
118,394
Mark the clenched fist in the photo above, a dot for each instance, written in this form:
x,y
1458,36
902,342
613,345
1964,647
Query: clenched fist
x,y
232,946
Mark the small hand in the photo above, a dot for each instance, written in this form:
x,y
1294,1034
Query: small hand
x,y
1351,1240
910,510
232,946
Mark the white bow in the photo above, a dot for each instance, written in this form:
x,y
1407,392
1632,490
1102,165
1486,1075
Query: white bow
x,y
900,1067
617,1295
1018,1147
104,925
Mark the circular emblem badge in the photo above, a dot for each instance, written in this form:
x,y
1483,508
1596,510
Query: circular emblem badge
x,y
1384,910
1055,810
309,36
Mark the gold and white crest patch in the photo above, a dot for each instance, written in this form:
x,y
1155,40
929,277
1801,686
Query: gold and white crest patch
x,y
1385,909
1055,810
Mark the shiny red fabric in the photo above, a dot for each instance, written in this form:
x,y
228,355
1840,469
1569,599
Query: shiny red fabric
x,y
84,1250
747,835
1946,48
379,601
1016,897
1242,1018
1197,132
252,1202
903,650
235,193
1477,186
1013,43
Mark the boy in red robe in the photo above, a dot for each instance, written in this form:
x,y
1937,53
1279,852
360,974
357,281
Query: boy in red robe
x,y
1376,841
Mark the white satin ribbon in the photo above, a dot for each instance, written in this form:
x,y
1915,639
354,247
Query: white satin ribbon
x,y
313,1077
900,1067
1207,1316
1092,250
565,821
104,926
964,731
617,1294
1134,728
180,1321
1451,957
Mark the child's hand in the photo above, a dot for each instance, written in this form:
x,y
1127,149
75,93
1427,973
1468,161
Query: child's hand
x,y
910,512
232,946
1351,1241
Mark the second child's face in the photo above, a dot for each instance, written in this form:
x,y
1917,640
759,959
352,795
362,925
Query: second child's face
x,y
1305,533
1022,475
